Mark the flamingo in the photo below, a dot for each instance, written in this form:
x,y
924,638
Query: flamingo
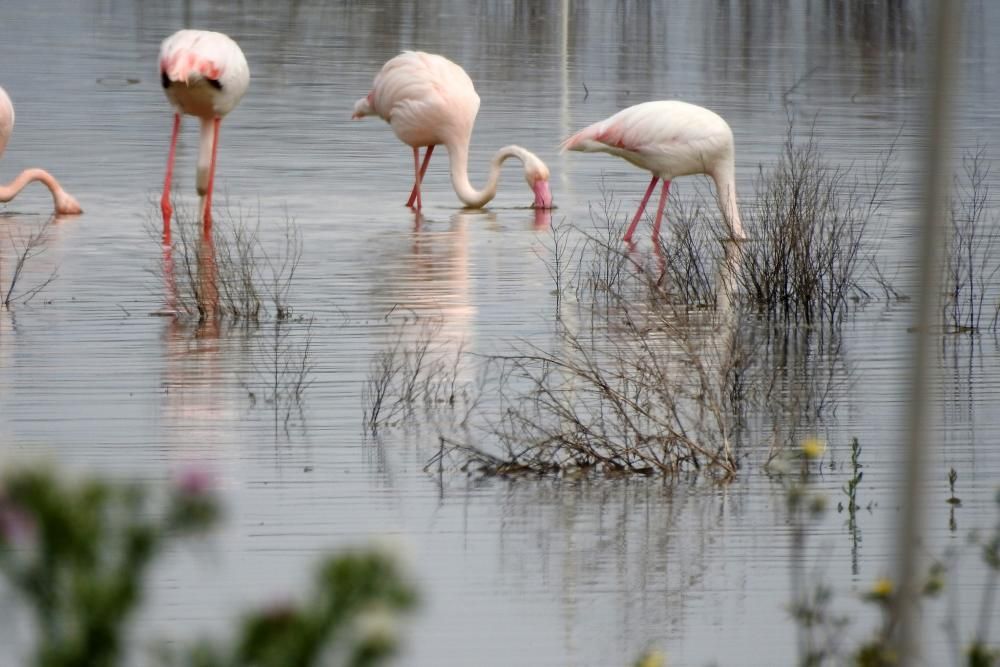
x,y
669,139
65,204
429,100
203,74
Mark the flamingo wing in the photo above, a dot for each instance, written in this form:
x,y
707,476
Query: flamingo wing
x,y
426,98
670,138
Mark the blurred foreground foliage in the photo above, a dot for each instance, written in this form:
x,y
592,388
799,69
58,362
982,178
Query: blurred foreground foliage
x,y
77,552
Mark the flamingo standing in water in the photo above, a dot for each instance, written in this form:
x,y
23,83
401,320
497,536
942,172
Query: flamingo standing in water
x,y
65,204
429,100
670,139
203,74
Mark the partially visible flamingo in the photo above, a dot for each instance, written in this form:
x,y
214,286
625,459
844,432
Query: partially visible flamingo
x,y
670,139
65,204
429,100
203,74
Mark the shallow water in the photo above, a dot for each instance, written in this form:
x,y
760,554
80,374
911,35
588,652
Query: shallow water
x,y
583,572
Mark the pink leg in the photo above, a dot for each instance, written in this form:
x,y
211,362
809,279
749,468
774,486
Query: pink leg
x,y
642,207
165,199
416,175
207,220
659,211
420,178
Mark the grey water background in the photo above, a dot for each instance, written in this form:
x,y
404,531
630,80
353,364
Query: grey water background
x,y
540,572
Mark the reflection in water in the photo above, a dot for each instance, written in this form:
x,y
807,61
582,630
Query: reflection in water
x,y
193,406
430,275
626,557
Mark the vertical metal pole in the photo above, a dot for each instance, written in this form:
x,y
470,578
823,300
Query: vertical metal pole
x,y
946,15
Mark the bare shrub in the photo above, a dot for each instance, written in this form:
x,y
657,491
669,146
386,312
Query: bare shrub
x,y
810,227
623,403
418,370
647,386
230,273
283,367
971,260
23,251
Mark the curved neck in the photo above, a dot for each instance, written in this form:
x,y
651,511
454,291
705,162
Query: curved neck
x,y
8,192
725,186
458,155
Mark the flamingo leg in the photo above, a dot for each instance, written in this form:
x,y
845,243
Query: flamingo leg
x,y
659,210
416,175
207,219
165,199
420,177
642,207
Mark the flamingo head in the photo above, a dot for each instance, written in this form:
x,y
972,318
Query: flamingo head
x,y
66,203
536,173
363,107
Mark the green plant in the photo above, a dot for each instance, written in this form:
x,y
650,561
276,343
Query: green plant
x,y
349,620
77,552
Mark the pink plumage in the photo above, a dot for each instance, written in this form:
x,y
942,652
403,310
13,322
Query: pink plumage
x,y
428,101
64,202
669,139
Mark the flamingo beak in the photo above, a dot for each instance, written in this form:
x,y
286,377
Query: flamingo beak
x,y
543,196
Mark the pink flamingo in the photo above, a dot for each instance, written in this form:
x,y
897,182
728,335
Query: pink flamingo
x,y
64,202
203,74
670,139
429,100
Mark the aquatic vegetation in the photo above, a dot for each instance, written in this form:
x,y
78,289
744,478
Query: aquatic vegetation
x,y
813,231
823,634
417,370
972,255
78,552
283,367
23,251
229,272
851,487
353,612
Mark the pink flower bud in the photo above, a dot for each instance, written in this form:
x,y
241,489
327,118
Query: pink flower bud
x,y
195,481
16,525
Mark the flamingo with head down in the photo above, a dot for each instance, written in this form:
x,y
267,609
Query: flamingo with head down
x,y
64,202
428,100
669,139
203,74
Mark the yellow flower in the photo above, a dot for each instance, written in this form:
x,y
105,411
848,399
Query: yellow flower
x,y
882,588
813,448
652,659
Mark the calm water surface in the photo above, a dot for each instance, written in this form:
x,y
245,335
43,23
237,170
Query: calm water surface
x,y
525,572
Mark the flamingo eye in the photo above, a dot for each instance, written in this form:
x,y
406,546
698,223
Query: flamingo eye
x,y
164,79
215,83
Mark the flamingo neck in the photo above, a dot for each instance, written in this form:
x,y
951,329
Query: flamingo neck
x,y
8,192
205,154
725,187
458,154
